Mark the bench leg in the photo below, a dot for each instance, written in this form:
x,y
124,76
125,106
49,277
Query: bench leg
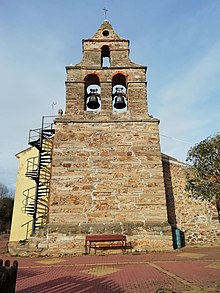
x,y
86,251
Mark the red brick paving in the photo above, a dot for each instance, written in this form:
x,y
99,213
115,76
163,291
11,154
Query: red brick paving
x,y
128,278
185,270
196,272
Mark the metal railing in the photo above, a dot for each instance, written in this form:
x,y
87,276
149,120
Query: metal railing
x,y
8,276
39,169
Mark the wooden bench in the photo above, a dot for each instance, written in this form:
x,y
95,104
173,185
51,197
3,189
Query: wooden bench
x,y
106,241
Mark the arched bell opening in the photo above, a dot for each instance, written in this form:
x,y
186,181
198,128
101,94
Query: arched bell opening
x,y
92,93
119,98
105,56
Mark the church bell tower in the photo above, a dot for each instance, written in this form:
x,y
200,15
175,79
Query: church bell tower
x,y
106,168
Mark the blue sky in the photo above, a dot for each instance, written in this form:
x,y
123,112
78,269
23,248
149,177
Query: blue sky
x,y
178,40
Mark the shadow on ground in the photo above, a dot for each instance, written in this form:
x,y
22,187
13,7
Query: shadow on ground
x,y
70,284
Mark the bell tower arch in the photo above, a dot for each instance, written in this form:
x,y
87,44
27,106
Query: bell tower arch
x,y
106,170
106,44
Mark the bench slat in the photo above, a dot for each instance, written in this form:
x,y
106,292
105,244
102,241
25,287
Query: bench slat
x,y
105,237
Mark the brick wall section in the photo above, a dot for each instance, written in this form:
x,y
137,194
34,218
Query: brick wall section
x,y
198,220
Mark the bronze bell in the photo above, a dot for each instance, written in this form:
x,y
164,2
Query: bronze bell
x,y
119,102
93,102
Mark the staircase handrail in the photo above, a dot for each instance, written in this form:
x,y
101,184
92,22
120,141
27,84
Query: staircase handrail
x,y
38,169
35,134
31,197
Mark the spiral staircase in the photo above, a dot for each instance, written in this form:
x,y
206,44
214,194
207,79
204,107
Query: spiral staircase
x,y
36,198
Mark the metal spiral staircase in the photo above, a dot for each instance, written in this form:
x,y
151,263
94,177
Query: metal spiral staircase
x,y
38,169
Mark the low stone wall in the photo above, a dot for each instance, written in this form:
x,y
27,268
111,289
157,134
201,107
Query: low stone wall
x,y
70,239
197,219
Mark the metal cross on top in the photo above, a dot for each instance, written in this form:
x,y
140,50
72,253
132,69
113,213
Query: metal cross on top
x,y
105,12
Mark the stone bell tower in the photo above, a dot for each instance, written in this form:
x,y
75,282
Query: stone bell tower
x,y
106,169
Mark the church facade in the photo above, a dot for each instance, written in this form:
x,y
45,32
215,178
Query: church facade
x,y
100,170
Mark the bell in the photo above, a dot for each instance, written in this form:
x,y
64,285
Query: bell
x,y
119,102
93,102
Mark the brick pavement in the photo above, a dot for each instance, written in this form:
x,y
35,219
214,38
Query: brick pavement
x,y
189,270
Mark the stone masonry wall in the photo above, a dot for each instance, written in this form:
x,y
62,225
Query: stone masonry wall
x,y
198,220
107,178
136,92
107,171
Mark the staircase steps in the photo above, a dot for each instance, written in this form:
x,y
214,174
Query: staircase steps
x,y
39,169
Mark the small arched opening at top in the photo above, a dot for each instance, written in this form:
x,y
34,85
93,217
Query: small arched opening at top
x,y
119,89
105,56
92,93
